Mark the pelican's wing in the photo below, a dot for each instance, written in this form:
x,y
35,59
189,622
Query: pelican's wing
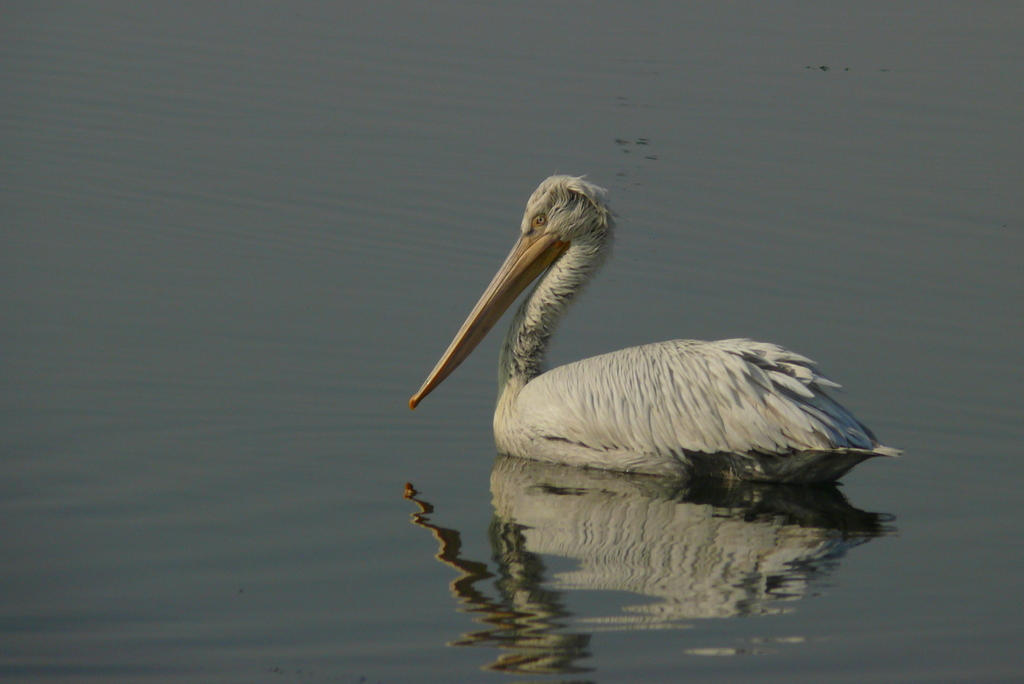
x,y
681,396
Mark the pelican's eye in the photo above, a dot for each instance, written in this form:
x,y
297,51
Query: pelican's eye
x,y
539,220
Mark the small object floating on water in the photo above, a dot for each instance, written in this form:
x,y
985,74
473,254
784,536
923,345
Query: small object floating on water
x,y
734,409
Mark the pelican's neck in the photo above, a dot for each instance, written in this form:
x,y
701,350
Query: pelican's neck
x,y
522,354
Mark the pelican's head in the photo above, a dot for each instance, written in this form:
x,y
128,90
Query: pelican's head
x,y
563,213
571,208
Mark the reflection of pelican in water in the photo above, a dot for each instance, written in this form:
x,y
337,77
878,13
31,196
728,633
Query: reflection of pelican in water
x,y
691,549
735,409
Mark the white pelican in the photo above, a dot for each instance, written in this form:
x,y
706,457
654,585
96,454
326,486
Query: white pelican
x,y
735,409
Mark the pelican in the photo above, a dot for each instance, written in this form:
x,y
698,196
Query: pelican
x,y
734,409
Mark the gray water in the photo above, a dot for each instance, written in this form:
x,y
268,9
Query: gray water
x,y
235,238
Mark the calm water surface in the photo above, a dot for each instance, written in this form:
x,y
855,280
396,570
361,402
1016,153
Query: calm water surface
x,y
235,238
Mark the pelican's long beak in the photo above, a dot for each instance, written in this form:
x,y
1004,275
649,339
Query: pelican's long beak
x,y
529,258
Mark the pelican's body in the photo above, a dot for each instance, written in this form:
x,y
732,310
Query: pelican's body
x,y
735,408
